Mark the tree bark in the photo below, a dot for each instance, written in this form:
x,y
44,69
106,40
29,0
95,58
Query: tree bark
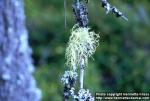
x,y
16,68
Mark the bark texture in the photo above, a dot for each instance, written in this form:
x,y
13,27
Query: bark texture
x,y
16,80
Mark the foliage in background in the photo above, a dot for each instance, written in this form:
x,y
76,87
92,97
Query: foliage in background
x,y
122,59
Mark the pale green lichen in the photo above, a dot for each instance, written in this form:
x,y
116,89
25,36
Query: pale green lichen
x,y
82,44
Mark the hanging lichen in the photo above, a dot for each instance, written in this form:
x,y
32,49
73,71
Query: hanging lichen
x,y
82,45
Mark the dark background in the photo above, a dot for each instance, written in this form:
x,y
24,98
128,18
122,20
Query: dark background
x,y
122,60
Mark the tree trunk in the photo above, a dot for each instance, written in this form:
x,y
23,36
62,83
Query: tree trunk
x,y
16,80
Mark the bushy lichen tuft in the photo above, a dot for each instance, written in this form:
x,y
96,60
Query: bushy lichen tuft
x,y
82,44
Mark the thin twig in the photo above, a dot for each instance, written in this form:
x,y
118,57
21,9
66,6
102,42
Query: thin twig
x,y
65,14
113,9
81,74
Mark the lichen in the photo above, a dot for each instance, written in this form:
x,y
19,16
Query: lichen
x,y
82,45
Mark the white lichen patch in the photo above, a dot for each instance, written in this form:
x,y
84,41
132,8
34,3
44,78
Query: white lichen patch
x,y
82,44
69,76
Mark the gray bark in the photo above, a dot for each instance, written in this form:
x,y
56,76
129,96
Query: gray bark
x,y
16,80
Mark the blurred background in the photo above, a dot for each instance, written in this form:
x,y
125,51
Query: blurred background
x,y
122,60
